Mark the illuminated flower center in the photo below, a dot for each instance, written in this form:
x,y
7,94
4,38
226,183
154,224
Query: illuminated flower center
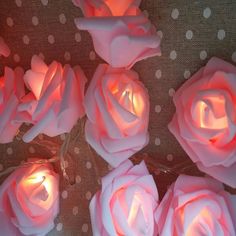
x,y
129,99
210,113
135,211
118,8
39,188
201,225
136,206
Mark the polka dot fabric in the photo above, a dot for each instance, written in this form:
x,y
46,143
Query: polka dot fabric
x,y
191,31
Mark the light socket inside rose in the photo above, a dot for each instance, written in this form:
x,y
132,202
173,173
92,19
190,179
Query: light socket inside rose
x,y
39,188
118,8
97,8
131,100
210,111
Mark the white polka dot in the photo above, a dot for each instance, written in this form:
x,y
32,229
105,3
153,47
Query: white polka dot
x,y
189,34
67,56
175,14
203,55
173,55
78,179
26,39
187,74
10,22
41,56
78,37
157,108
64,194
221,34
88,195
44,2
85,228
18,3
160,34
207,12
1,167
16,57
171,92
157,141
99,181
62,18
234,56
9,151
35,20
59,227
31,150
92,55
170,157
76,150
88,165
75,210
51,39
158,74
62,137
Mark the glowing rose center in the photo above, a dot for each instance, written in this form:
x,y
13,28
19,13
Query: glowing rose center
x,y
40,180
211,113
136,206
131,101
197,227
118,7
135,214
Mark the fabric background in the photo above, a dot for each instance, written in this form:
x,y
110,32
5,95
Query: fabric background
x,y
193,31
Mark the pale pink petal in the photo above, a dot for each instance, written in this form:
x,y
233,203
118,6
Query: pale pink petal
x,y
134,36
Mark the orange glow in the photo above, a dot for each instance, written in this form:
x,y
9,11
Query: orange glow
x,y
41,179
1,83
136,205
118,7
207,119
133,102
202,216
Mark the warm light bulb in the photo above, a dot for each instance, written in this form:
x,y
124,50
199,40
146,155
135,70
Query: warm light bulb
x,y
136,206
211,116
203,216
118,7
40,178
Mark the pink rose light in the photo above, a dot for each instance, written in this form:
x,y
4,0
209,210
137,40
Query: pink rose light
x,y
108,7
122,41
117,106
204,123
127,203
4,49
29,201
197,206
56,99
11,91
